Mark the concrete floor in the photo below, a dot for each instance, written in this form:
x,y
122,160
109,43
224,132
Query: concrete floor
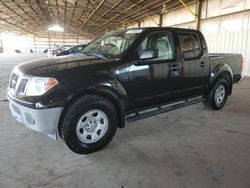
x,y
188,148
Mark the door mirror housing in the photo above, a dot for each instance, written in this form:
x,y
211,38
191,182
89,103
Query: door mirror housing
x,y
148,54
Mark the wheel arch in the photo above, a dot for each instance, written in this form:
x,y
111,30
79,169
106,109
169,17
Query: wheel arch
x,y
120,102
104,89
222,70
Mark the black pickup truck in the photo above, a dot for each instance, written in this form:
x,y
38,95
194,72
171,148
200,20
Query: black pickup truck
x,y
129,73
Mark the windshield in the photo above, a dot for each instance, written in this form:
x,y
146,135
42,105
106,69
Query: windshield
x,y
112,44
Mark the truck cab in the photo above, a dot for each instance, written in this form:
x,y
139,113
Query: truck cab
x,y
165,64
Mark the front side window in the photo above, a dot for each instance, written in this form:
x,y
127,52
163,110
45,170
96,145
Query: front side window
x,y
162,42
190,45
112,44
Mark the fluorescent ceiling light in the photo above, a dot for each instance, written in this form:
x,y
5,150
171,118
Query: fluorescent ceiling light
x,y
56,28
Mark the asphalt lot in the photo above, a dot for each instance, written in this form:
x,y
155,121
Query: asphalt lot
x,y
189,148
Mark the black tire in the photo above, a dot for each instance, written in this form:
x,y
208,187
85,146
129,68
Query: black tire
x,y
210,99
80,106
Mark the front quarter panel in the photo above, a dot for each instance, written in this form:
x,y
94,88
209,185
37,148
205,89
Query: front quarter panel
x,y
104,85
92,83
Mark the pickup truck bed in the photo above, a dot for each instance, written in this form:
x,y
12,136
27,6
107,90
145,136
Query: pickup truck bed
x,y
233,60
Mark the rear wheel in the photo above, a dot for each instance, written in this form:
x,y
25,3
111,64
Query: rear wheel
x,y
218,94
89,124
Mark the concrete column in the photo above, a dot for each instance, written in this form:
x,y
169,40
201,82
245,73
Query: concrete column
x,y
161,20
34,43
139,24
49,40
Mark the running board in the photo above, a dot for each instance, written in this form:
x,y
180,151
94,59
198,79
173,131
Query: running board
x,y
162,109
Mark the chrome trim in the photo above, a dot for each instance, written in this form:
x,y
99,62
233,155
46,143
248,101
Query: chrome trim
x,y
26,86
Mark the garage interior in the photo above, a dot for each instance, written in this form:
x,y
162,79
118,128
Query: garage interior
x,y
190,147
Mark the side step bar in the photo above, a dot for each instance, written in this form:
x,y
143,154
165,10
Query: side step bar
x,y
162,109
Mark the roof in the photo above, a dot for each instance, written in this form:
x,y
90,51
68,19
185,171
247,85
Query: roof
x,y
83,18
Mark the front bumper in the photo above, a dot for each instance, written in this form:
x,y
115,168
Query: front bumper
x,y
40,120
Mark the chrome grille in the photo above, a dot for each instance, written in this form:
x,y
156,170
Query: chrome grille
x,y
13,80
22,86
18,84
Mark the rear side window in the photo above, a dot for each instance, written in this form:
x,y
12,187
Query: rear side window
x,y
190,45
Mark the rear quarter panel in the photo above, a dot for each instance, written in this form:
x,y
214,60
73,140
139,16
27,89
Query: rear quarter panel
x,y
233,60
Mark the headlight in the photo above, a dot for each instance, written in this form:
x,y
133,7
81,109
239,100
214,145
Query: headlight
x,y
40,85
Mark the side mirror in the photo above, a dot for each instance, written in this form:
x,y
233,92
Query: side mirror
x,y
148,54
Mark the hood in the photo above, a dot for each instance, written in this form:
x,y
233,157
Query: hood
x,y
44,67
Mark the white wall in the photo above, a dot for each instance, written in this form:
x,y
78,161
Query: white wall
x,y
231,42
151,22
133,25
178,16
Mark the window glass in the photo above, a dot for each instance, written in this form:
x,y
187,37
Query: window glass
x,y
144,43
197,47
112,44
190,45
163,42
204,45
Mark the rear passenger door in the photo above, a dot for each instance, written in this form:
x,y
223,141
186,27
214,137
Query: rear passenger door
x,y
195,65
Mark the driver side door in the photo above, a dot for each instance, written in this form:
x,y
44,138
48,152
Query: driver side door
x,y
154,80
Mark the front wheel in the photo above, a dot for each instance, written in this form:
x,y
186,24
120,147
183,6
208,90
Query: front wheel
x,y
89,124
217,96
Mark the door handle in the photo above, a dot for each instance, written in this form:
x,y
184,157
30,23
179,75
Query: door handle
x,y
174,67
202,64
